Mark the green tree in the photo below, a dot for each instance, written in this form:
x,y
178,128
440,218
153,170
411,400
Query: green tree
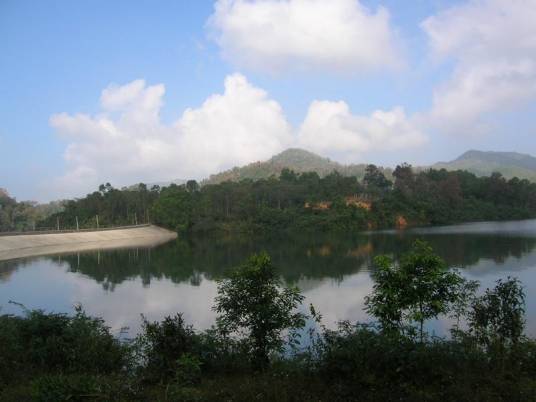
x,y
173,208
192,186
375,179
420,287
497,318
254,301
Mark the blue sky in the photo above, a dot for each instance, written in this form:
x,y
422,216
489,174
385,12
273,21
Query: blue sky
x,y
130,91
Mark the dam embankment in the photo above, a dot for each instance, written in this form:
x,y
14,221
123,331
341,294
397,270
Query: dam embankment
x,y
28,245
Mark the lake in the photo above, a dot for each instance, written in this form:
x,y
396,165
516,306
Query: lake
x,y
333,272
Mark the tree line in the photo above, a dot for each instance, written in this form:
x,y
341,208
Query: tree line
x,y
306,201
23,215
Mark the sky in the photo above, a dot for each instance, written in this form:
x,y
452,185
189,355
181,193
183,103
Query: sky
x,y
146,91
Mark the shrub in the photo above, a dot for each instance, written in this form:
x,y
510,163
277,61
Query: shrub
x,y
162,344
59,343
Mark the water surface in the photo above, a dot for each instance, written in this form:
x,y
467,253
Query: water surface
x,y
332,271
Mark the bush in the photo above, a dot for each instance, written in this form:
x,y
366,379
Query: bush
x,y
56,388
188,370
58,343
162,344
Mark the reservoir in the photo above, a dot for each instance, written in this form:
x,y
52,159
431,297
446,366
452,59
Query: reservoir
x,y
333,271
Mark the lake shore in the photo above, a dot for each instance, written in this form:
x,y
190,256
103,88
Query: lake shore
x,y
19,246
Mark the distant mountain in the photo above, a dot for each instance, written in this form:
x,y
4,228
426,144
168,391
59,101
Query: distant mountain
x,y
509,164
295,159
481,163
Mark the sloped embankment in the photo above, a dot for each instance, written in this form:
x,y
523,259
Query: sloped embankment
x,y
54,243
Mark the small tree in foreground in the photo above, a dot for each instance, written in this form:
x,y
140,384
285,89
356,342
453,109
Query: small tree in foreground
x,y
420,287
497,318
253,300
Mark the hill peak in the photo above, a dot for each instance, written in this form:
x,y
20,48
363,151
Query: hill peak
x,y
298,156
296,159
493,155
483,163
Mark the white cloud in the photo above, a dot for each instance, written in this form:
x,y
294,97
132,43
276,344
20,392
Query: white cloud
x,y
330,127
240,126
493,46
276,35
128,143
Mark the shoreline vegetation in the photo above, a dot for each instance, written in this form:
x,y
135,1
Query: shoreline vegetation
x,y
266,346
307,202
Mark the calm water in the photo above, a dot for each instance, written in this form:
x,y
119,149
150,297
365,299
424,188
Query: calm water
x,y
333,272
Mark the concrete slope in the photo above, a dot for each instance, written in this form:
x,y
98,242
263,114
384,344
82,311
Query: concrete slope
x,y
55,243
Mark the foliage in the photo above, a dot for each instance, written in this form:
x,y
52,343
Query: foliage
x,y
71,344
357,362
171,207
306,201
497,317
252,299
162,345
56,388
188,370
106,207
418,288
23,215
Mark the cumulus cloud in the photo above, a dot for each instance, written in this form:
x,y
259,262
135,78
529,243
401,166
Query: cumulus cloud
x,y
330,127
277,35
240,126
128,143
493,46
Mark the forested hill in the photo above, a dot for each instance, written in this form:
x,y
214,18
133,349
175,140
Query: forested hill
x,y
305,201
509,164
295,159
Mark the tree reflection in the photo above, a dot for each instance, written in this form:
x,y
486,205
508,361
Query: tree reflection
x,y
297,257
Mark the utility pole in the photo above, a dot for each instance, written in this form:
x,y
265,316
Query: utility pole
x,y
97,216
58,223
136,218
77,228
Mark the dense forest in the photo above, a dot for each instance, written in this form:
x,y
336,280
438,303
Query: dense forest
x,y
306,201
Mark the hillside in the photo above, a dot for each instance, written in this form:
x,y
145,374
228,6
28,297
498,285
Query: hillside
x,y
295,159
150,185
509,164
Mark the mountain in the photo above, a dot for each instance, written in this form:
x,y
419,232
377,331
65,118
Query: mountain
x,y
509,164
481,163
295,159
